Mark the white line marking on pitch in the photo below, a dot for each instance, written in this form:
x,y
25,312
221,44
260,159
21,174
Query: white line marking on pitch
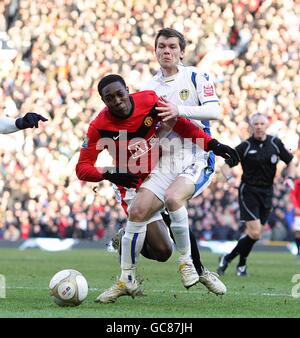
x,y
268,294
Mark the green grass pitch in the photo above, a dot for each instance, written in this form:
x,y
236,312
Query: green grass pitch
x,y
267,292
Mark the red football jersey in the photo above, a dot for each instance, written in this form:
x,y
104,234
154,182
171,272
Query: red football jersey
x,y
132,142
295,194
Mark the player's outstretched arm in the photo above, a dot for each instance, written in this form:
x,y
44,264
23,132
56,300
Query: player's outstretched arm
x,y
168,110
187,129
230,155
7,126
29,120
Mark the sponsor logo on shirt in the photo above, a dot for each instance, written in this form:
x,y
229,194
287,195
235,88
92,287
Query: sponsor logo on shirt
x,y
208,90
141,146
184,94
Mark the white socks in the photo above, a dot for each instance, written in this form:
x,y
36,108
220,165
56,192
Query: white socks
x,y
132,244
180,230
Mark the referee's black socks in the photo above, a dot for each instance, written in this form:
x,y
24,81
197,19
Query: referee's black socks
x,y
243,248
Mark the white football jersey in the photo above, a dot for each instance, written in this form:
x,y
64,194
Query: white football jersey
x,y
188,87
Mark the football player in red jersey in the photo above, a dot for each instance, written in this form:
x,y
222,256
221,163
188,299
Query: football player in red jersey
x,y
136,116
129,128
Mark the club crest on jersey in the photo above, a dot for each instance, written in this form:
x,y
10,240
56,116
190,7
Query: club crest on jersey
x,y
206,76
148,121
208,90
85,143
184,94
274,159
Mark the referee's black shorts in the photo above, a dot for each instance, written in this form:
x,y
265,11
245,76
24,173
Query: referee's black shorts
x,y
255,202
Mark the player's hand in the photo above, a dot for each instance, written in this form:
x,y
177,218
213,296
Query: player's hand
x,y
127,180
231,155
30,120
167,110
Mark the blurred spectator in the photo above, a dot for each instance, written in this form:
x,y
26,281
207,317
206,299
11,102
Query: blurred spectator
x,y
12,233
65,46
279,232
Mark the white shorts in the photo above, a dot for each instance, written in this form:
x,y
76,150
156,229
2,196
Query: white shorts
x,y
296,224
199,173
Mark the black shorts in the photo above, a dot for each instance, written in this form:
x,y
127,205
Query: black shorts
x,y
255,203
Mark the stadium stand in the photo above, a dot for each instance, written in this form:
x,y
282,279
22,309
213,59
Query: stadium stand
x,y
65,46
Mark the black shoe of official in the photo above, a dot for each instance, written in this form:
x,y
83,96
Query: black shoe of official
x,y
223,264
241,271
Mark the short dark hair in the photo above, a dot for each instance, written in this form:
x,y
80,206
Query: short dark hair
x,y
109,79
171,33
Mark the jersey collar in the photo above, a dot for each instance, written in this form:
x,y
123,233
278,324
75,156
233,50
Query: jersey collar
x,y
164,79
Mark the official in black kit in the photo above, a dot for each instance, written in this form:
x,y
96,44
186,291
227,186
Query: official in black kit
x,y
259,156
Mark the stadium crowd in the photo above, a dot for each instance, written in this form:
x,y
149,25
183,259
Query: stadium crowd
x,y
65,46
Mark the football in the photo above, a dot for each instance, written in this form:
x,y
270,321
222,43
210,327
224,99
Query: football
x,y
68,288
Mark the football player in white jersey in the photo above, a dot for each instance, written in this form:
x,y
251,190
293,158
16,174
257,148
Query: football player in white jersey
x,y
193,96
30,120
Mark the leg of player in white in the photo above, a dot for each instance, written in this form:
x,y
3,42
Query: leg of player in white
x,y
144,209
189,184
161,178
175,203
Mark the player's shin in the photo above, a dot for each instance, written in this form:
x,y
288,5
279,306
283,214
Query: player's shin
x,y
132,244
180,230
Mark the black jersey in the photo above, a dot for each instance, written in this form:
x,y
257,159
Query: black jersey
x,y
259,160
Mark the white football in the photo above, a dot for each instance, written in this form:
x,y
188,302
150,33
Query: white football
x,y
68,288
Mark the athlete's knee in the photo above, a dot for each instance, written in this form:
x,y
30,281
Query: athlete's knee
x,y
163,256
254,229
163,253
138,213
160,253
173,201
255,234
